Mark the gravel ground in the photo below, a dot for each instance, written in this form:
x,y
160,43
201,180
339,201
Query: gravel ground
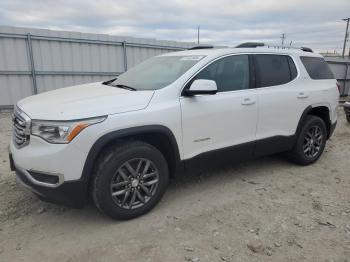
x,y
262,210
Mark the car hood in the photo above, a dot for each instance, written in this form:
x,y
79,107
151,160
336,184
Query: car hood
x,y
84,101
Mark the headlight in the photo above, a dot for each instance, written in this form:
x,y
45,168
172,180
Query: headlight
x,y
61,132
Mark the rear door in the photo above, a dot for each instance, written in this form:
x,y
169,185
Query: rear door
x,y
282,99
224,119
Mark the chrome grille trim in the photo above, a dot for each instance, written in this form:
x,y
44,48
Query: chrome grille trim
x,y
21,128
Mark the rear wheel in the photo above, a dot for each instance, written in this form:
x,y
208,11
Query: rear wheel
x,y
129,180
310,142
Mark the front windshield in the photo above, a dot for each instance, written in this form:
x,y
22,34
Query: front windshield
x,y
156,73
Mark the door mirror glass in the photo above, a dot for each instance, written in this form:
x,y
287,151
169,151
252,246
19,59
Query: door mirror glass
x,y
202,87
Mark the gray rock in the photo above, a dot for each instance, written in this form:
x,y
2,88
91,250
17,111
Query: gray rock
x,y
41,210
223,258
269,252
188,248
18,246
192,259
277,244
216,247
256,247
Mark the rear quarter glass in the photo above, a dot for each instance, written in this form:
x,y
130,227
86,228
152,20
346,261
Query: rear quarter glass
x,y
317,67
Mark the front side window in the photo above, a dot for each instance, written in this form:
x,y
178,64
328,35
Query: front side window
x,y
230,73
272,70
157,72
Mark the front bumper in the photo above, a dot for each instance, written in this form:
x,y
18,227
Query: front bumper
x,y
68,193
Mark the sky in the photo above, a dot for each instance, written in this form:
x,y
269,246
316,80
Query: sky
x,y
317,24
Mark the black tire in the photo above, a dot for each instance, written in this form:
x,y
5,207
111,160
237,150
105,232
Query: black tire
x,y
110,162
347,112
297,154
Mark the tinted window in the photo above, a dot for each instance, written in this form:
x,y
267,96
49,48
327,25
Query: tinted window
x,y
292,68
230,73
274,70
317,67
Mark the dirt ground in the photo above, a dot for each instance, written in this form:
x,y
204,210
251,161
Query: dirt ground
x,y
262,210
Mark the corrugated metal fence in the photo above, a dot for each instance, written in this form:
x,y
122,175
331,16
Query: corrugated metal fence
x,y
37,60
341,70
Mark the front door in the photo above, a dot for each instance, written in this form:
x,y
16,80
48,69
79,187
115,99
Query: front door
x,y
223,120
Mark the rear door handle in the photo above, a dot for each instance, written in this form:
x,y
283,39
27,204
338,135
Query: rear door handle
x,y
302,95
247,101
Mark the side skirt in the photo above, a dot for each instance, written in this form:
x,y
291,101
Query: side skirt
x,y
218,158
274,145
238,153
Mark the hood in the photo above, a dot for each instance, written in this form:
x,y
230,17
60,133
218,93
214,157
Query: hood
x,y
84,101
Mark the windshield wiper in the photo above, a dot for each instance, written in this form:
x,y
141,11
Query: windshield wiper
x,y
109,82
126,87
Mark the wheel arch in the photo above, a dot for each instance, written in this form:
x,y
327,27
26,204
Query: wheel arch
x,y
321,111
157,135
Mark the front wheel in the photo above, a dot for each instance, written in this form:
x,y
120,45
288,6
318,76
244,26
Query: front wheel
x,y
310,142
129,180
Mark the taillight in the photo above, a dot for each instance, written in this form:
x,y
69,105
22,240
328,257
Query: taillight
x,y
338,87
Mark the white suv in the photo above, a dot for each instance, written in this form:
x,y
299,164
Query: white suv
x,y
120,141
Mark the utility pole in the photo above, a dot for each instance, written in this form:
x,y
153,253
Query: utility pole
x,y
283,37
198,35
346,34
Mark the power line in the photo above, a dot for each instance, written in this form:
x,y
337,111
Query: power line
x,y
346,35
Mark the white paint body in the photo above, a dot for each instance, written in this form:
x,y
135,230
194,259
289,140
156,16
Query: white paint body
x,y
200,123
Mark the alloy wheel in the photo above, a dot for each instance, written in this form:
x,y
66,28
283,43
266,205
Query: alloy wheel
x,y
134,183
313,140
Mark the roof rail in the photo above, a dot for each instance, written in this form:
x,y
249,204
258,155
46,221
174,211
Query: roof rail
x,y
250,45
303,48
306,49
201,47
259,44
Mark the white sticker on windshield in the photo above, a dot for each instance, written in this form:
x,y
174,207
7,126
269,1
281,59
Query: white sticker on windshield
x,y
192,58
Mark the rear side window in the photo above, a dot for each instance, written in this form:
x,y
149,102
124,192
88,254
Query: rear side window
x,y
272,70
317,67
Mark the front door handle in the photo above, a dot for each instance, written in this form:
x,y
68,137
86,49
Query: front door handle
x,y
247,101
302,95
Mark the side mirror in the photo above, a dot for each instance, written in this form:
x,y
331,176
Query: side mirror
x,y
202,87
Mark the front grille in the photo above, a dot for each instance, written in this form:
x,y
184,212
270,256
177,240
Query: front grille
x,y
21,124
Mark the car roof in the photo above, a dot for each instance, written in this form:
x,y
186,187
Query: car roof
x,y
229,50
